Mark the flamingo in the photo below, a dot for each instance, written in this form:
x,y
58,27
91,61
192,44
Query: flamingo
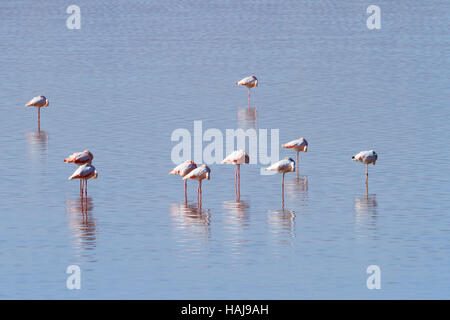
x,y
38,102
366,157
199,174
249,82
85,172
237,157
80,158
283,166
182,170
299,145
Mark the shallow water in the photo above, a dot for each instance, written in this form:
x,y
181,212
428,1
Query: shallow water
x,y
138,70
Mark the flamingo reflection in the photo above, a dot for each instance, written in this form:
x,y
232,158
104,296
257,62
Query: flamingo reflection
x,y
297,189
247,118
236,219
366,209
237,212
282,224
82,224
37,142
192,224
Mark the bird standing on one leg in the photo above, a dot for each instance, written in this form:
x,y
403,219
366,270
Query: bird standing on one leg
x,y
299,145
237,157
366,157
182,170
249,82
199,174
283,166
38,102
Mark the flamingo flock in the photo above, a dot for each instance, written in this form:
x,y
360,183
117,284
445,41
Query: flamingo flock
x,y
189,170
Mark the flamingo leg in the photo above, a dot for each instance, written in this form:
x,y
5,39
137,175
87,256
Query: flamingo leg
x,y
282,191
367,173
297,164
85,188
367,191
185,191
249,98
239,181
39,119
200,193
235,182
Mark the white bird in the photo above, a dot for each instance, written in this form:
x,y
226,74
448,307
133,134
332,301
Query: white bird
x,y
249,82
298,145
38,102
80,158
182,170
283,166
366,157
85,172
237,157
199,174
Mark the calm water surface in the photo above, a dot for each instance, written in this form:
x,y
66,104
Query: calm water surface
x,y
138,70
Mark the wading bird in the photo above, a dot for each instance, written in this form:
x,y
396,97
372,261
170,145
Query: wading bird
x,y
84,173
249,82
237,158
199,174
38,102
299,145
283,166
366,157
182,170
80,158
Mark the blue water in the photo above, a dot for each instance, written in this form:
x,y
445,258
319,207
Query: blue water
x,y
138,70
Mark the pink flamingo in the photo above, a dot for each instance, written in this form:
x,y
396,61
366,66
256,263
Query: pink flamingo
x,y
85,172
298,145
366,157
199,174
249,82
80,158
283,166
38,102
182,170
237,158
